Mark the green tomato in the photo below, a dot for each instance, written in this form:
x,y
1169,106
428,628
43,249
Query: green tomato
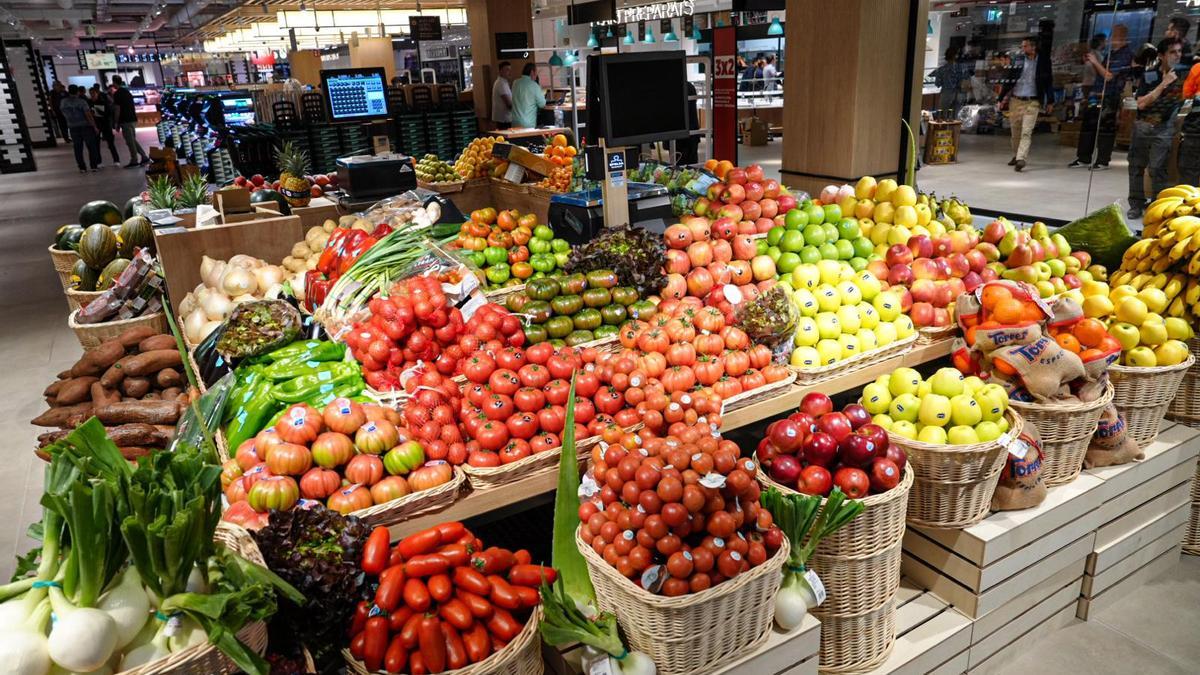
x,y
561,258
543,232
494,255
542,262
560,246
477,259
498,274
536,333
538,245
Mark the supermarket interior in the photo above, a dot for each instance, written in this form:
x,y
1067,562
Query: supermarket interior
x,y
588,337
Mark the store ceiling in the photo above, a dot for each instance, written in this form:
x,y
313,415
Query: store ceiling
x,y
246,13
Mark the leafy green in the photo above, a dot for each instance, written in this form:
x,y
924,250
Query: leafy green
x,y
1103,233
566,558
564,624
805,521
636,255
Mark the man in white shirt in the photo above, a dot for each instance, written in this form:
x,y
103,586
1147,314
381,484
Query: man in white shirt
x,y
502,97
770,73
1027,89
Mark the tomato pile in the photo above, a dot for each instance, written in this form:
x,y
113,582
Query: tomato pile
x,y
577,308
442,601
417,323
679,513
816,449
351,456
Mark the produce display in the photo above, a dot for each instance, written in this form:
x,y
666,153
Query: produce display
x,y
133,288
811,233
307,252
562,154
134,384
577,308
104,251
703,258
430,169
443,600
223,286
476,160
816,450
945,409
637,256
510,248
321,184
746,197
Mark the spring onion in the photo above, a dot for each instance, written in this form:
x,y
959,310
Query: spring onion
x,y
380,265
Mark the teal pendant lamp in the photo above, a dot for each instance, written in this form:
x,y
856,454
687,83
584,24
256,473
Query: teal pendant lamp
x,y
570,59
671,36
649,38
775,28
696,32
628,37
555,59
592,41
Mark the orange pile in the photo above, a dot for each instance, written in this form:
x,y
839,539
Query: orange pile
x,y
562,155
1088,338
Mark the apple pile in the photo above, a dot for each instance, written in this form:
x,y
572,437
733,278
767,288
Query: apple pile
x,y
890,214
1135,319
934,271
715,262
945,409
1035,257
815,449
751,201
322,183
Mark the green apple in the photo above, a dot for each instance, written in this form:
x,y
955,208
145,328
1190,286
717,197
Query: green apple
x,y
831,232
857,263
888,304
830,271
848,229
795,219
947,382
810,255
868,315
787,262
833,213
1002,425
775,235
850,292
972,384
805,357
828,298
829,251
845,249
932,435
934,410
904,407
848,316
904,381
807,333
850,345
863,248
904,326
814,234
882,419
876,398
773,252
790,240
806,276
886,333
1057,267
962,435
987,431
805,302
867,339
829,351
904,429
964,410
991,405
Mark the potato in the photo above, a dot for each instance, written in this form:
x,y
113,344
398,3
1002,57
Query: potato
x,y
300,250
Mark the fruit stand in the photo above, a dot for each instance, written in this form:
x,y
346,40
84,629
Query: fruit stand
x,y
850,432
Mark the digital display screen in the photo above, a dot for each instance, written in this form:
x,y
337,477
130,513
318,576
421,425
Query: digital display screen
x,y
232,118
356,93
649,98
100,60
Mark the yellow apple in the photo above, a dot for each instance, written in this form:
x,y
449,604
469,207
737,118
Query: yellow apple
x,y
1125,333
830,271
1155,299
850,345
806,332
884,190
903,195
828,298
828,325
1153,333
1141,357
904,327
867,339
906,216
806,276
885,333
1097,306
865,187
848,316
868,315
1091,288
888,305
1132,310
933,435
1171,353
1179,329
828,351
805,357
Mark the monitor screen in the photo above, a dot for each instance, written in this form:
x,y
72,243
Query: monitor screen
x,y
356,93
101,60
643,97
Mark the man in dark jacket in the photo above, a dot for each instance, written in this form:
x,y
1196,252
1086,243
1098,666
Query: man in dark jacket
x,y
1027,89
127,121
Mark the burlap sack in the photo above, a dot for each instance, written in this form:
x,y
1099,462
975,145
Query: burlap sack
x,y
1095,378
1021,485
1064,313
1045,368
989,340
1111,444
967,310
966,359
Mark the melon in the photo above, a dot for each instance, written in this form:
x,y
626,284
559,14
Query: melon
x,y
112,271
135,233
83,277
99,211
67,237
131,205
263,196
98,246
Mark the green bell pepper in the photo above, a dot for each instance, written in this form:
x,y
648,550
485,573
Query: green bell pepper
x,y
308,350
252,412
327,392
315,382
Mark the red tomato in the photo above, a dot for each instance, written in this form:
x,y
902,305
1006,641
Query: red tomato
x,y
492,435
752,379
736,363
504,381
515,449
498,407
533,375
552,418
529,399
609,401
557,392
560,368
477,393
511,358
585,411
479,367
483,459
760,356
543,442
522,425
539,353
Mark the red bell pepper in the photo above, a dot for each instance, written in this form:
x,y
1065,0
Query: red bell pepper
x,y
328,261
381,231
354,246
316,288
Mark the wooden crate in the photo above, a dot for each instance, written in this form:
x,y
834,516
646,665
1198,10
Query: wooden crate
x,y
931,636
994,633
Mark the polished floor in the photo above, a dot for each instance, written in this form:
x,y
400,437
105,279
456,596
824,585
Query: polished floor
x,y
1152,630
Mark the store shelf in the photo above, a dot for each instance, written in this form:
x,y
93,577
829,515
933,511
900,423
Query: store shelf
x,y
476,503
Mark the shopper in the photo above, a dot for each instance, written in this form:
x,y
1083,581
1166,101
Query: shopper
x,y
502,100
57,93
102,110
127,119
1159,96
1178,27
770,73
527,98
79,120
948,78
1189,143
1093,62
1027,88
1099,130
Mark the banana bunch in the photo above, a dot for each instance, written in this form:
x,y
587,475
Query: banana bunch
x,y
1167,257
1181,200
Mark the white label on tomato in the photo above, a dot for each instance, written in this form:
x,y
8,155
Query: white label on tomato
x,y
628,535
713,480
653,578
718,542
588,487
645,452
814,582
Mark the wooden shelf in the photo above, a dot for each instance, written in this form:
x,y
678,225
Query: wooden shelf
x,y
517,493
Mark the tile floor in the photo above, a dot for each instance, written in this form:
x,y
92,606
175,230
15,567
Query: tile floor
x,y
1152,630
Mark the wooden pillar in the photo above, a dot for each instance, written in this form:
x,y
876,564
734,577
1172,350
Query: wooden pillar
x,y
844,98
306,66
369,52
486,18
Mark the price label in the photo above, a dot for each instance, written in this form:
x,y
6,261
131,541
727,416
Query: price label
x,y
724,68
713,480
653,578
818,588
174,624
595,662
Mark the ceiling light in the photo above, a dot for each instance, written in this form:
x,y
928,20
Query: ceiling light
x,y
649,37
570,59
555,59
592,41
775,28
628,38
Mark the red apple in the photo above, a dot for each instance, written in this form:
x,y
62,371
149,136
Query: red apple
x,y
676,287
815,480
678,262
835,424
899,254
701,230
722,251
885,475
989,251
972,281
736,176
744,247
747,227
857,415
960,242
754,172
1021,255
816,404
959,265
766,453
925,268
921,314
678,236
699,282
763,225
751,210
715,191
879,269
770,207
785,469
943,295
786,435
923,290
1071,280
723,228
906,300
805,421
900,275
701,206
897,455
941,246
731,211
786,203
989,274
976,260
771,188
1084,258
820,449
754,191
921,246
856,450
854,482
941,317
994,232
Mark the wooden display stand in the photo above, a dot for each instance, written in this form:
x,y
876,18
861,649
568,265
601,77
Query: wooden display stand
x,y
501,194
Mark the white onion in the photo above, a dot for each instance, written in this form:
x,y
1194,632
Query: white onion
x,y
187,304
244,261
206,267
298,285
245,297
267,277
193,323
238,281
216,306
209,328
215,273
273,292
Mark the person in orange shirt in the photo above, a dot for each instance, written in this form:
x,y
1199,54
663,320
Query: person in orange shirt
x,y
1189,144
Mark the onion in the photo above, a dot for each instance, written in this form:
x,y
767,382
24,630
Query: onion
x,y
238,281
244,261
298,285
268,276
216,306
273,292
246,297
208,329
187,304
213,280
793,601
193,323
206,267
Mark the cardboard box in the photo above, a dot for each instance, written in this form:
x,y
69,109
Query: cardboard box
x,y
755,131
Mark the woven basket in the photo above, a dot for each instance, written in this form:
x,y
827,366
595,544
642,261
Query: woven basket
x,y
1185,407
64,263
445,187
1066,431
80,299
693,633
92,335
522,656
206,659
1191,537
809,376
929,334
1142,396
753,396
415,503
499,295
857,644
490,478
954,483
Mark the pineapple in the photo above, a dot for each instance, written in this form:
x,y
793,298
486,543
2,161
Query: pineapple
x,y
194,191
161,192
293,164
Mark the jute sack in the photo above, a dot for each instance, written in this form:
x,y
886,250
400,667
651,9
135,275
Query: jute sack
x,y
1021,485
1111,444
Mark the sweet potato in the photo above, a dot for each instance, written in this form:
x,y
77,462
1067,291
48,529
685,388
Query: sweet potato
x,y
148,363
132,453
102,396
99,359
64,375
52,390
156,342
168,378
171,393
136,387
130,337
116,372
58,417
75,390
151,396
148,412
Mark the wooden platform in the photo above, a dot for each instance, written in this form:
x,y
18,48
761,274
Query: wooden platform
x,y
931,636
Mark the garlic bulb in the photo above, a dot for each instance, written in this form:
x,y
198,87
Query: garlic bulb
x,y
238,281
268,276
187,304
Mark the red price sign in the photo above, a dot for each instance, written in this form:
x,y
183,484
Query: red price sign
x,y
724,67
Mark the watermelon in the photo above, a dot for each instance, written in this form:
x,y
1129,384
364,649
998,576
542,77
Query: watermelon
x,y
99,211
98,246
67,237
131,205
110,274
135,233
84,277
263,196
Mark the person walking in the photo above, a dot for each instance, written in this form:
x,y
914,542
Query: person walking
x,y
102,110
1093,61
1024,96
1099,130
126,115
79,120
502,97
57,93
1159,96
1178,27
527,98
948,78
769,73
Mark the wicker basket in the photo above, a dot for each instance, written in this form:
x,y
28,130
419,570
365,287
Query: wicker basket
x,y
445,187
857,644
522,656
206,659
954,483
1191,537
809,376
489,478
753,396
1142,396
415,503
691,633
499,295
1185,407
80,299
92,335
1066,431
929,334
64,263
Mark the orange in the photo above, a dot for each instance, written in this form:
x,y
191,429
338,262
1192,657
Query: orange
x,y
723,168
993,294
710,164
1090,354
1090,332
1110,344
1003,366
571,151
1031,312
560,140
1068,342
1009,311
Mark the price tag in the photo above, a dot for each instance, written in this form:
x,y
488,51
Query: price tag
x,y
1018,449
818,588
653,578
713,480
174,624
473,304
595,662
588,487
